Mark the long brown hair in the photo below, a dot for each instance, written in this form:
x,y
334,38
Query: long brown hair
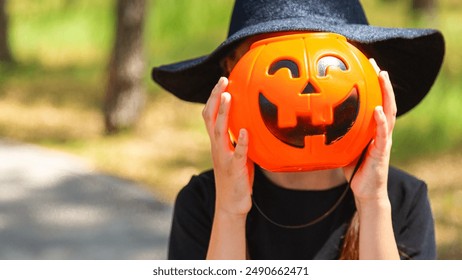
x,y
350,247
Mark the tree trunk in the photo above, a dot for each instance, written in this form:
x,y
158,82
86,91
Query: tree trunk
x,y
425,11
125,95
5,53
423,5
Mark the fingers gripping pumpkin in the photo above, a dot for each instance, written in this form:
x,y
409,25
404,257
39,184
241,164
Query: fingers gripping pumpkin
x,y
307,101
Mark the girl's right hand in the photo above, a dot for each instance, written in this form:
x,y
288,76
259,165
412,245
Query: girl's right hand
x,y
234,172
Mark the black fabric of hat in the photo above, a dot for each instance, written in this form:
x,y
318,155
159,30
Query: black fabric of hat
x,y
412,57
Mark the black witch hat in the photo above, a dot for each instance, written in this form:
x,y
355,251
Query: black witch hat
x,y
412,57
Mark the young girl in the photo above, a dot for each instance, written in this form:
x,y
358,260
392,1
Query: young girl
x,y
366,210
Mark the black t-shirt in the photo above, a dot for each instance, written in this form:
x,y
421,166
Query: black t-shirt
x,y
194,209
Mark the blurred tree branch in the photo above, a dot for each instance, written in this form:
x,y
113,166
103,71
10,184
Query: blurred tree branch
x,y
425,10
423,5
421,11
5,53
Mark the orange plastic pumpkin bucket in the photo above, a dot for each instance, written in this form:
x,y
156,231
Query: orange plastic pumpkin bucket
x,y
306,99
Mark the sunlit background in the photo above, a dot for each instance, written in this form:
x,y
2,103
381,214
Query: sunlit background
x,y
52,95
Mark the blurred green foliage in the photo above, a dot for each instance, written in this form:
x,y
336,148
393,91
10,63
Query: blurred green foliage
x,y
183,29
78,35
60,32
54,94
434,125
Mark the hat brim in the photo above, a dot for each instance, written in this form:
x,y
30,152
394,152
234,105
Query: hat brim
x,y
412,57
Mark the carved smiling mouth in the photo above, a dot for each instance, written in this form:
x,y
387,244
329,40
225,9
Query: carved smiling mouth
x,y
344,117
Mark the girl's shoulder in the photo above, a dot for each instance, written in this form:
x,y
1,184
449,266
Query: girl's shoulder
x,y
402,185
199,192
412,215
408,197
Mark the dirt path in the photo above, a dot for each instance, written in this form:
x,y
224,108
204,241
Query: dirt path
x,y
53,206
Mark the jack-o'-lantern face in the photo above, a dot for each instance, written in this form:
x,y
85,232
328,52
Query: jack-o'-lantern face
x,y
306,99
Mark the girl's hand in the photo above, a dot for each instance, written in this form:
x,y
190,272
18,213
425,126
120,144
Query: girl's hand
x,y
370,182
233,179
233,171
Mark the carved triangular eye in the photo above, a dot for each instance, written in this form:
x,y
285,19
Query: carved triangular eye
x,y
329,61
285,63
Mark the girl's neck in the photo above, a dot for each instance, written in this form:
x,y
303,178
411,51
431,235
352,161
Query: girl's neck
x,y
312,180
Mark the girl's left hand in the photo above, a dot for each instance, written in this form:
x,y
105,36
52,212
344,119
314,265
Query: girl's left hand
x,y
370,181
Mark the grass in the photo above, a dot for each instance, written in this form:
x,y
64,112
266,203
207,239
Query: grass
x,y
53,97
